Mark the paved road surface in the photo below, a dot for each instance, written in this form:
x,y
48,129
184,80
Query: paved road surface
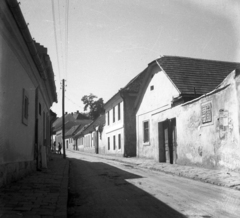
x,y
104,188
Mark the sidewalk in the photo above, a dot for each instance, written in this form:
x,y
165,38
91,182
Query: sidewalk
x,y
41,194
224,178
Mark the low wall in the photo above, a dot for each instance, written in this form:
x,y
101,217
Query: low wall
x,y
11,172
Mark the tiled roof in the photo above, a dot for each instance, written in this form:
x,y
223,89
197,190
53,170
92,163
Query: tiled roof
x,y
100,121
135,84
70,118
79,130
71,131
189,74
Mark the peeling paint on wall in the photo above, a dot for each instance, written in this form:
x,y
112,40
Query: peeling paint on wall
x,y
194,121
223,124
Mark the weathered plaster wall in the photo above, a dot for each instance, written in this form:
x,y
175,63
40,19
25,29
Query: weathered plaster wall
x,y
154,101
214,144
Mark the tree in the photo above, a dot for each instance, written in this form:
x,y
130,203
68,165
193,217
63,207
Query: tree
x,y
96,107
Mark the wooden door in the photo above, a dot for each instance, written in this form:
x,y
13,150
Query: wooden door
x,y
161,143
174,140
166,141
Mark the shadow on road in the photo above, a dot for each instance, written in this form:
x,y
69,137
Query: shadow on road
x,y
101,190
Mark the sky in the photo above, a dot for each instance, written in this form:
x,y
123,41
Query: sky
x,y
98,46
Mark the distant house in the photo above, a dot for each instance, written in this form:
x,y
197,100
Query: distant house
x,y
71,120
27,92
120,124
69,141
89,138
179,111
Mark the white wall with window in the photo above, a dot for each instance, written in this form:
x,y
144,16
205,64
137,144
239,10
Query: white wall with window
x,y
157,98
114,127
115,142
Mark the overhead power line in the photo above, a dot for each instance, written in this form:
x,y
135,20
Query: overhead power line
x,y
73,102
55,35
61,40
66,36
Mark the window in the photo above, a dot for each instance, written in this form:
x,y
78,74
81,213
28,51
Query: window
x,y
151,88
40,109
206,110
25,107
119,141
119,112
145,131
108,143
114,142
113,114
108,118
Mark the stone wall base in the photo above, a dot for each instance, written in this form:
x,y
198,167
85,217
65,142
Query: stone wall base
x,y
11,172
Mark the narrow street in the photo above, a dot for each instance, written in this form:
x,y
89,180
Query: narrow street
x,y
104,188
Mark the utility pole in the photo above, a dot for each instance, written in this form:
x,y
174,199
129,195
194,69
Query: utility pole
x,y
63,117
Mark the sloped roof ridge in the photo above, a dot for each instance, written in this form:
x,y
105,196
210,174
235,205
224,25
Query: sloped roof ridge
x,y
200,59
133,79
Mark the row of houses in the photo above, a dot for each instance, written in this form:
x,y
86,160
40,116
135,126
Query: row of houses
x,y
27,91
178,110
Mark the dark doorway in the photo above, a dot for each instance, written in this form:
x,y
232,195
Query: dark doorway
x,y
167,141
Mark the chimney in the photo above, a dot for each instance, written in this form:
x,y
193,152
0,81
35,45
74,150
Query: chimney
x,y
77,111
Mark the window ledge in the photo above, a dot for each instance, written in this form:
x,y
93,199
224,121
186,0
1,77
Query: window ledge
x,y
146,143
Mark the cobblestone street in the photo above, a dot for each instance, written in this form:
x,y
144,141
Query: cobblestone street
x,y
41,194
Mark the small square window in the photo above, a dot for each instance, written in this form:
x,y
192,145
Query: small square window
x,y
151,88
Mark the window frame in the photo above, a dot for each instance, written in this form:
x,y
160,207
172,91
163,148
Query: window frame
x,y
114,142
119,141
119,111
108,143
146,142
39,108
203,105
25,107
114,114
